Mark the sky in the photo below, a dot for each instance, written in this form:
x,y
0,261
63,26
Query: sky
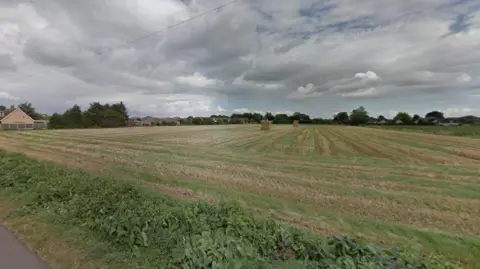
x,y
316,57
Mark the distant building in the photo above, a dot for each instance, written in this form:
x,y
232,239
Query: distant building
x,y
15,119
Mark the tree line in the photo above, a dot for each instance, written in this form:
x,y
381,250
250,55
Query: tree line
x,y
99,115
96,116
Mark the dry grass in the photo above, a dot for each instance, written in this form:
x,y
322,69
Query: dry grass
x,y
265,126
377,184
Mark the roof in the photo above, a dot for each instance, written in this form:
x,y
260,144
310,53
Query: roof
x,y
5,113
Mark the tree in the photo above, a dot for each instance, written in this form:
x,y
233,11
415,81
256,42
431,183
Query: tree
x,y
282,119
269,116
341,117
73,117
2,107
435,114
57,121
257,117
29,110
359,116
122,109
197,121
381,118
404,117
301,117
416,117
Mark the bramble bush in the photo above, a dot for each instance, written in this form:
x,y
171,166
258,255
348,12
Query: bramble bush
x,y
173,234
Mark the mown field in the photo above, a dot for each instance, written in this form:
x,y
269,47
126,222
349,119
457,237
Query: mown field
x,y
418,191
462,130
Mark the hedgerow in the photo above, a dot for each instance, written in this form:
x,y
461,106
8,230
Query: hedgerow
x,y
167,233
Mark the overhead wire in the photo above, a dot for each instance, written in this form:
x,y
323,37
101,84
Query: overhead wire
x,y
167,28
155,32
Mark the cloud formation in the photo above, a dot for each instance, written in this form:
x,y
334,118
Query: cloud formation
x,y
312,56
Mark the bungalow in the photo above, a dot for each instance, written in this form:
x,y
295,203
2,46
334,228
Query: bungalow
x,y
15,119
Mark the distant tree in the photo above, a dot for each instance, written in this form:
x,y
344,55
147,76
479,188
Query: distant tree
x,y
257,117
435,114
341,117
2,107
359,116
122,109
269,116
321,121
416,117
29,110
73,117
282,119
404,117
302,117
381,118
208,121
197,121
57,121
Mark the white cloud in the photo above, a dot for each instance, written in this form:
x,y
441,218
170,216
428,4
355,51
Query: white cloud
x,y
362,93
304,92
464,78
241,110
7,96
221,109
197,80
369,75
456,111
289,113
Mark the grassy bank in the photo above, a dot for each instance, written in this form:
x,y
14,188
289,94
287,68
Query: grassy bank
x,y
116,224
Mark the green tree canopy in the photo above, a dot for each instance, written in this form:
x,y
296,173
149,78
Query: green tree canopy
x,y
435,114
359,116
404,117
341,117
29,110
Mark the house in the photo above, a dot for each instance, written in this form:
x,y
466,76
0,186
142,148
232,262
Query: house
x,y
448,123
40,124
15,119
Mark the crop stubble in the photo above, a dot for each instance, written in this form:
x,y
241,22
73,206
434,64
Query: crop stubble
x,y
348,174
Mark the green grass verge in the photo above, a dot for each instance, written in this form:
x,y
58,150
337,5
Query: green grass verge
x,y
141,229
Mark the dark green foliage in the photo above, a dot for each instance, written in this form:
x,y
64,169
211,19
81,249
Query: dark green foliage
x,y
359,116
253,117
434,114
404,117
165,233
341,117
97,115
30,110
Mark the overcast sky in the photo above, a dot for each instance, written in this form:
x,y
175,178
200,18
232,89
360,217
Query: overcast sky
x,y
318,57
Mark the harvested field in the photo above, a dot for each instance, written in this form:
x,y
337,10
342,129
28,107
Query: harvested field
x,y
386,186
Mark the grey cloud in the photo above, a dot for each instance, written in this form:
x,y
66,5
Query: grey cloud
x,y
6,63
265,53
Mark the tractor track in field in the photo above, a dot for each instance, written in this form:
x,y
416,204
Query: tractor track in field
x,y
322,144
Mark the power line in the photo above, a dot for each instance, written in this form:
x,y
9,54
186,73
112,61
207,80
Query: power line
x,y
166,28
